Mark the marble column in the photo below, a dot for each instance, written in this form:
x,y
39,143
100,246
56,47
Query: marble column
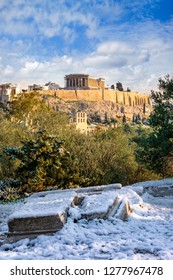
x,y
73,82
67,83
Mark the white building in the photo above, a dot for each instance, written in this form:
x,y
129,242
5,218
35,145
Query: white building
x,y
47,86
51,86
9,91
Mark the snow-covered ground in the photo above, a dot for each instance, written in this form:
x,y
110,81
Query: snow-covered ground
x,y
147,234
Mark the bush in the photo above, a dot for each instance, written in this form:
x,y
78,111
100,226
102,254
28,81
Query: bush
x,y
42,162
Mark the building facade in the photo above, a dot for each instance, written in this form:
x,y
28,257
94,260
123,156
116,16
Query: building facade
x,y
47,86
51,86
83,81
79,119
8,91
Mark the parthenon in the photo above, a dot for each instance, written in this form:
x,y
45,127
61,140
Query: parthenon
x,y
83,81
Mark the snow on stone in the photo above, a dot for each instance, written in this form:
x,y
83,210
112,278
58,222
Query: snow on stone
x,y
147,234
156,188
49,204
98,203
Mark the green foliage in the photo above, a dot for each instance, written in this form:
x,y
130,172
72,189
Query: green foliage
x,y
162,117
10,135
42,162
9,194
124,119
117,157
39,160
25,105
105,158
161,141
32,114
156,148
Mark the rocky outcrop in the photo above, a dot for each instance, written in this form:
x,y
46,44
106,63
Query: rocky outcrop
x,y
114,103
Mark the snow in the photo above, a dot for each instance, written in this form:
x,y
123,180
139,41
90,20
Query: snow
x,y
50,204
98,203
156,183
147,234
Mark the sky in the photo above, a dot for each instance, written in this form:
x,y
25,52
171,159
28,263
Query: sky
x,y
130,41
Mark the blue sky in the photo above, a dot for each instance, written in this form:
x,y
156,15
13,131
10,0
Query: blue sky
x,y
130,41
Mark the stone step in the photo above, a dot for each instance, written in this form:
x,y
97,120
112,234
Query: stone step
x,y
40,215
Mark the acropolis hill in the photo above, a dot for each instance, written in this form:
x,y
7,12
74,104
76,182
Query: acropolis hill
x,y
91,92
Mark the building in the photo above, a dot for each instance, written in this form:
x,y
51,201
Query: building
x,y
8,91
81,122
35,87
79,119
83,81
51,86
47,86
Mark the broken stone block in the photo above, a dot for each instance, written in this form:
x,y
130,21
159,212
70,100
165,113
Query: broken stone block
x,y
161,191
42,214
98,205
93,189
47,212
124,210
99,189
157,188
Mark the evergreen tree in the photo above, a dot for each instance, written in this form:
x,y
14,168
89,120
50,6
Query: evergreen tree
x,y
42,162
124,119
157,149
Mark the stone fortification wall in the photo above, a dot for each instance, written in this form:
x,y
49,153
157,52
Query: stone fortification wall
x,y
132,99
75,95
126,98
89,95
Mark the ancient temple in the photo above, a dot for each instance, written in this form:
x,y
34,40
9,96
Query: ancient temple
x,y
83,81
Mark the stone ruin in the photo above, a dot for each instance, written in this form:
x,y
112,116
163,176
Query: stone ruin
x,y
47,212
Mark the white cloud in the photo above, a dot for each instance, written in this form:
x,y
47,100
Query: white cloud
x,y
112,47
135,54
8,70
137,65
47,19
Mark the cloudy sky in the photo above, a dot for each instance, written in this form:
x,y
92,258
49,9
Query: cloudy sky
x,y
130,41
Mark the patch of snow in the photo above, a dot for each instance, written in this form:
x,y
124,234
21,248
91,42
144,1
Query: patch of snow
x,y
49,204
147,234
74,213
155,183
6,209
98,203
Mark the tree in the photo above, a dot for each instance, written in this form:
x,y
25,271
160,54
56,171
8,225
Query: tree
x,y
114,121
116,159
124,119
11,135
158,146
162,116
119,86
31,113
42,162
162,122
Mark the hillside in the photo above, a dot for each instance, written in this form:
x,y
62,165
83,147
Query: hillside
x,y
96,109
